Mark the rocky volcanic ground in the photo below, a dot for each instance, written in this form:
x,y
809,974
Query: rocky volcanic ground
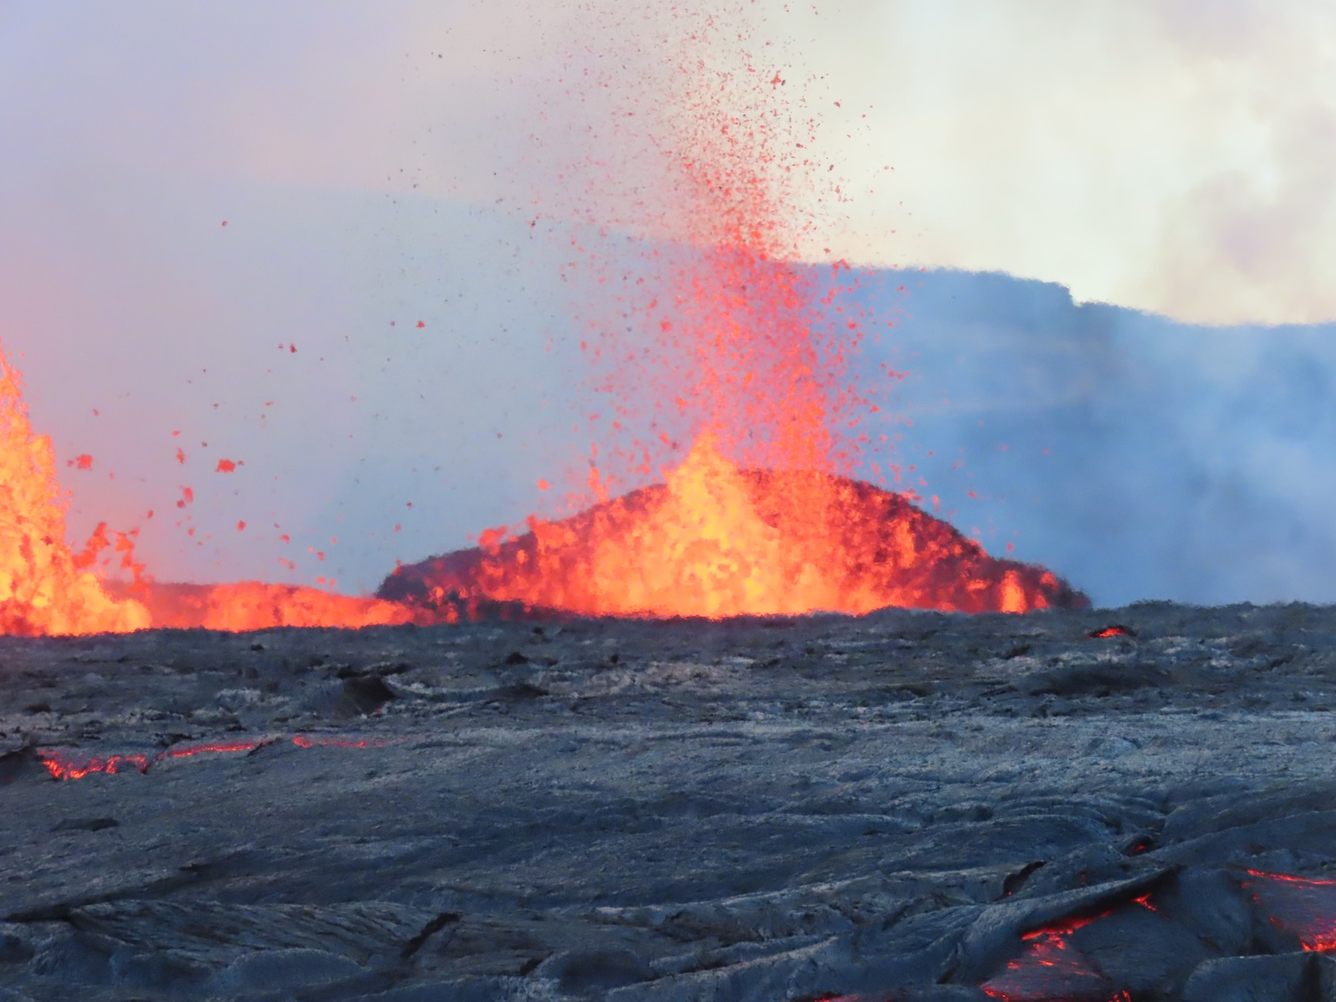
x,y
907,805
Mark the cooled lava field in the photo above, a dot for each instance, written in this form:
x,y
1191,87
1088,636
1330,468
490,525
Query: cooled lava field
x,y
904,805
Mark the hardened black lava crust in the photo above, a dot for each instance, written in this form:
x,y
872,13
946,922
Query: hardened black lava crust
x,y
1081,804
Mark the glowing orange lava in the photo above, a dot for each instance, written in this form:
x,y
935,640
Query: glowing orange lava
x,y
1115,630
255,605
66,766
1304,907
717,541
1052,969
45,587
721,331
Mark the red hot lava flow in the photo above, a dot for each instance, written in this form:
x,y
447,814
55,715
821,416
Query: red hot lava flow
x,y
1302,906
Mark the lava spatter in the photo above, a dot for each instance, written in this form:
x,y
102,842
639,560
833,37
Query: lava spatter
x,y
720,331
46,588
714,320
718,541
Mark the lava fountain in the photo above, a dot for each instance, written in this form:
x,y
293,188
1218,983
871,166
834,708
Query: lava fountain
x,y
750,354
48,589
716,541
742,348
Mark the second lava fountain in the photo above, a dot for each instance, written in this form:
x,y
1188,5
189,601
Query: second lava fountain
x,y
717,541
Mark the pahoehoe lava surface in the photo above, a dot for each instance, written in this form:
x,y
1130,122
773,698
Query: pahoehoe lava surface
x,y
910,805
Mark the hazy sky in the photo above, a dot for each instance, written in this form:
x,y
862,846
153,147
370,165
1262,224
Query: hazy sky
x,y
378,166
1171,155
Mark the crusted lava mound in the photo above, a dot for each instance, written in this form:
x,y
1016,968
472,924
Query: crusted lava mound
x,y
717,541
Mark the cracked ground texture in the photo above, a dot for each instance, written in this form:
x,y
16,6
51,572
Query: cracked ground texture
x,y
901,805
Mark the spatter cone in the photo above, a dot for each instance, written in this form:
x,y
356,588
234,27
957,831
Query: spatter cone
x,y
717,541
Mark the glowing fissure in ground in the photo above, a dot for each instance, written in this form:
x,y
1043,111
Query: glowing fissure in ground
x,y
70,765
1302,906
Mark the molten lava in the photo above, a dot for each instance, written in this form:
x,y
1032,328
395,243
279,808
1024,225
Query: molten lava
x,y
740,345
1052,969
1302,906
45,587
717,541
254,605
64,765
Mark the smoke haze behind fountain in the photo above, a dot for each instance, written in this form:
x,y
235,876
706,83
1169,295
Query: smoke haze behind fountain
x,y
1183,462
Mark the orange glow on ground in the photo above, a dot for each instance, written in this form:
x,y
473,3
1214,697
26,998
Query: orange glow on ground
x,y
719,541
1304,907
1052,969
255,605
64,765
